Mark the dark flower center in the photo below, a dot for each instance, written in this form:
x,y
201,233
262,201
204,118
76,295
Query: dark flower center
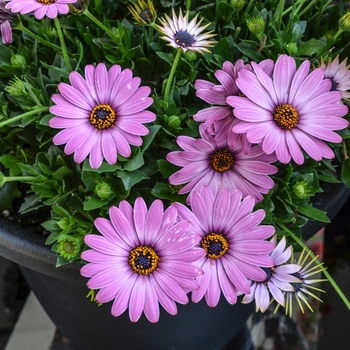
x,y
46,2
215,245
184,38
146,16
143,260
269,272
334,86
102,117
297,286
221,160
286,116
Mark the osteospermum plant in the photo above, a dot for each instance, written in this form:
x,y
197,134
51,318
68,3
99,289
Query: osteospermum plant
x,y
175,152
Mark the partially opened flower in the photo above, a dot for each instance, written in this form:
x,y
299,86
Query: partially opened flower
x,y
102,115
234,242
278,278
41,8
187,36
221,166
291,111
6,18
143,12
221,114
142,258
339,75
304,288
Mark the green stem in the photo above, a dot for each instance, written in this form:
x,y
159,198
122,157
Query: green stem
x,y
188,5
307,8
63,44
171,75
21,27
101,25
20,116
280,14
329,277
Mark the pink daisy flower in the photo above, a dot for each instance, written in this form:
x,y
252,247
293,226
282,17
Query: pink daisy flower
x,y
142,258
41,8
291,111
278,278
234,242
6,18
220,116
221,166
101,115
339,75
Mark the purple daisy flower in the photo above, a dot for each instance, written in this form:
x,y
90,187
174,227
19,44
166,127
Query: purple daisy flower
x,y
221,166
6,18
41,8
143,257
233,240
291,111
101,115
278,278
339,75
221,115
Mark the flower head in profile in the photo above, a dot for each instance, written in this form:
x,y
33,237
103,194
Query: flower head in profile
x,y
234,242
187,36
143,258
339,75
143,12
220,166
41,8
278,278
291,111
6,19
220,116
102,115
304,288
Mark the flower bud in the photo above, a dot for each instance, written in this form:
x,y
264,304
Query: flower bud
x,y
237,4
174,121
190,55
292,48
344,22
16,87
256,25
302,189
103,190
68,246
18,61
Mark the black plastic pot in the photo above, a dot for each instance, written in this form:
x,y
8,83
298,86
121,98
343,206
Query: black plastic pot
x,y
62,292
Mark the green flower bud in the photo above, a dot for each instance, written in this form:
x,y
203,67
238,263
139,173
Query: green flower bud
x,y
18,61
16,87
344,22
237,4
103,190
68,246
174,121
292,48
256,25
190,55
302,189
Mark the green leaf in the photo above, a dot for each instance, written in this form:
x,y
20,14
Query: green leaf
x,y
94,203
311,47
129,179
313,213
135,163
147,140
